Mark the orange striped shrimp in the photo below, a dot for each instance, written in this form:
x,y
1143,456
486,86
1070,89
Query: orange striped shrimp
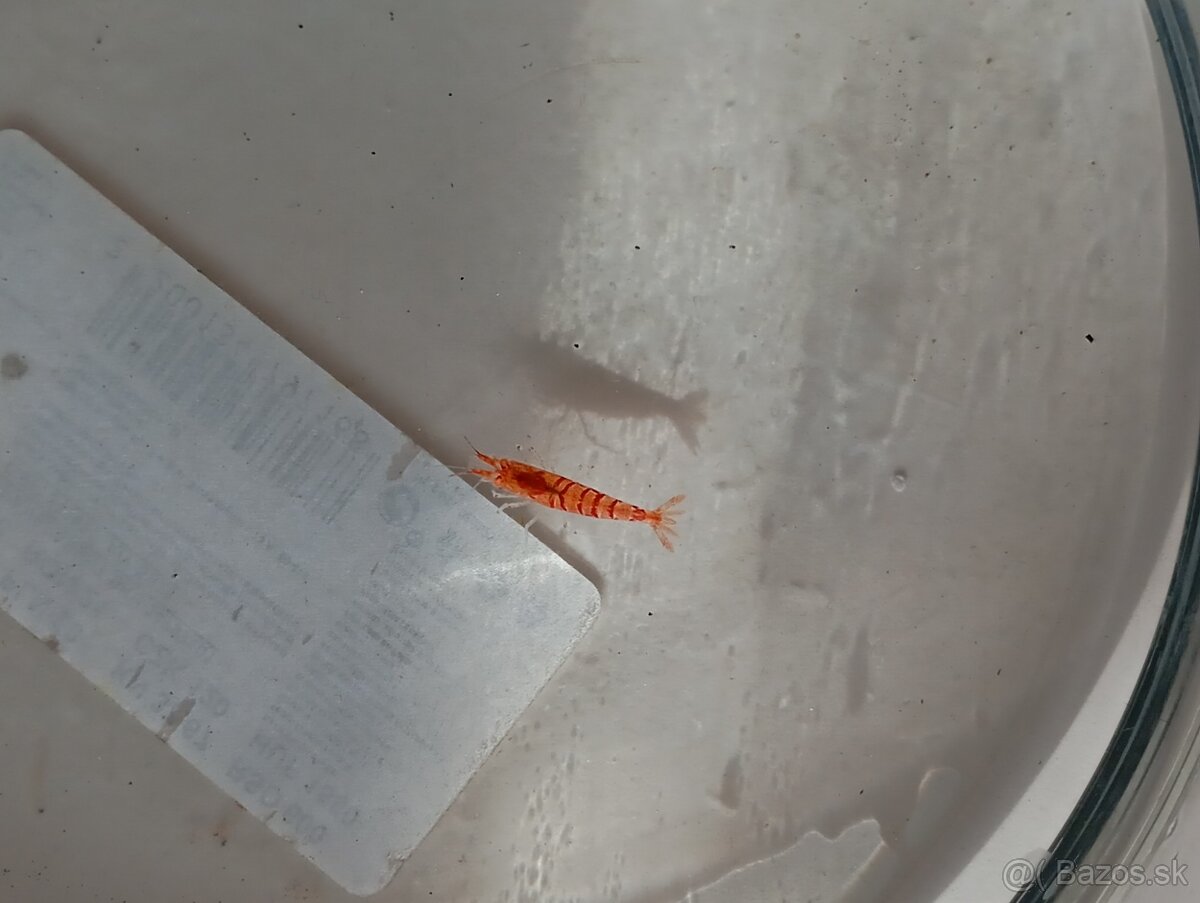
x,y
564,494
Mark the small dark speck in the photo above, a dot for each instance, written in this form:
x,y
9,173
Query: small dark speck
x,y
300,25
41,811
372,153
637,247
988,60
650,614
927,175
392,16
461,278
1093,163
576,344
860,793
173,576
13,366
733,247
549,100
1090,337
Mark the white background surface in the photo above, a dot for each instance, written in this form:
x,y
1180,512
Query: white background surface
x,y
872,238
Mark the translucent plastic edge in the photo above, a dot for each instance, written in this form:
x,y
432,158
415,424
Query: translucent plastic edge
x,y
1170,663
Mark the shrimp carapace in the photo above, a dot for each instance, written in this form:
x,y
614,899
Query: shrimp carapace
x,y
564,494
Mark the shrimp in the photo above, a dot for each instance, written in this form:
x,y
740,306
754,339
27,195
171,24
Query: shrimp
x,y
564,494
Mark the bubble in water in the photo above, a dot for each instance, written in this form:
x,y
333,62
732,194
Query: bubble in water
x,y
899,480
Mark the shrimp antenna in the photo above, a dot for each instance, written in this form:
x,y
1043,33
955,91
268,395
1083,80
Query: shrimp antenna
x,y
472,444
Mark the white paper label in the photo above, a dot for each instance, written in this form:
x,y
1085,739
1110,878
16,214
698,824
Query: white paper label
x,y
309,609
